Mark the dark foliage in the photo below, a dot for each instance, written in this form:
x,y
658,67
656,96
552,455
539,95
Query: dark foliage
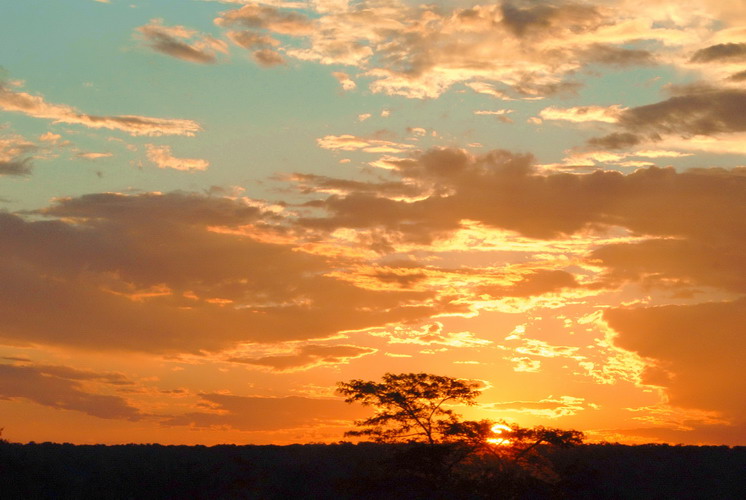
x,y
360,471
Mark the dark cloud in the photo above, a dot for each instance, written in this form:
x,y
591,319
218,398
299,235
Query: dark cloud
x,y
738,77
616,140
172,41
678,263
267,17
249,413
502,190
57,387
707,112
268,57
617,56
719,52
543,17
16,167
165,44
252,40
308,356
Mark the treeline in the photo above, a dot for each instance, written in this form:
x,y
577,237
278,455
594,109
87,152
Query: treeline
x,y
358,471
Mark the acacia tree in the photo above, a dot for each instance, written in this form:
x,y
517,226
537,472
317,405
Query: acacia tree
x,y
409,406
488,455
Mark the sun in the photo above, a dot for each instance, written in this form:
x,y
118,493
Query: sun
x,y
499,429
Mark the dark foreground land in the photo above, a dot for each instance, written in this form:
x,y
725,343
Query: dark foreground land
x,y
343,471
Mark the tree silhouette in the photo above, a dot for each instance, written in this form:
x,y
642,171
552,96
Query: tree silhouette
x,y
445,450
409,406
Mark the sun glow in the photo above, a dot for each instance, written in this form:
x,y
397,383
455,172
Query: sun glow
x,y
499,429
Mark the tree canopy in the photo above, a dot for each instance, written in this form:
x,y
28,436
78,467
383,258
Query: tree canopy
x,y
409,406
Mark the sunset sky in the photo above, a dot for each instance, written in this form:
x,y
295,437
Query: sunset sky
x,y
211,212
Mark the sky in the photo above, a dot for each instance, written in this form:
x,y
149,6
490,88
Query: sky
x,y
212,211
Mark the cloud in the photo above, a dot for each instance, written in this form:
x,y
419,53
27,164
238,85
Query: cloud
x,y
162,157
698,351
268,57
17,167
37,107
504,190
550,407
174,272
420,51
348,142
536,282
689,224
542,18
255,16
59,387
432,334
253,413
13,159
344,80
308,356
706,112
94,156
617,56
175,41
579,114
720,52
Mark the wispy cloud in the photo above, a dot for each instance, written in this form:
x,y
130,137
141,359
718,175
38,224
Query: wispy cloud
x,y
37,107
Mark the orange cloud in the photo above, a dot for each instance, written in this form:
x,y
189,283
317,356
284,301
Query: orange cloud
x,y
252,413
162,157
307,357
528,51
37,107
92,255
698,351
59,387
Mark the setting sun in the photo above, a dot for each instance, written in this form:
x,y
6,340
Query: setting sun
x,y
499,429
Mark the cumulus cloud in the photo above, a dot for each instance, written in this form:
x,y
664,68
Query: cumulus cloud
x,y
59,387
181,43
163,158
35,106
307,357
420,51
